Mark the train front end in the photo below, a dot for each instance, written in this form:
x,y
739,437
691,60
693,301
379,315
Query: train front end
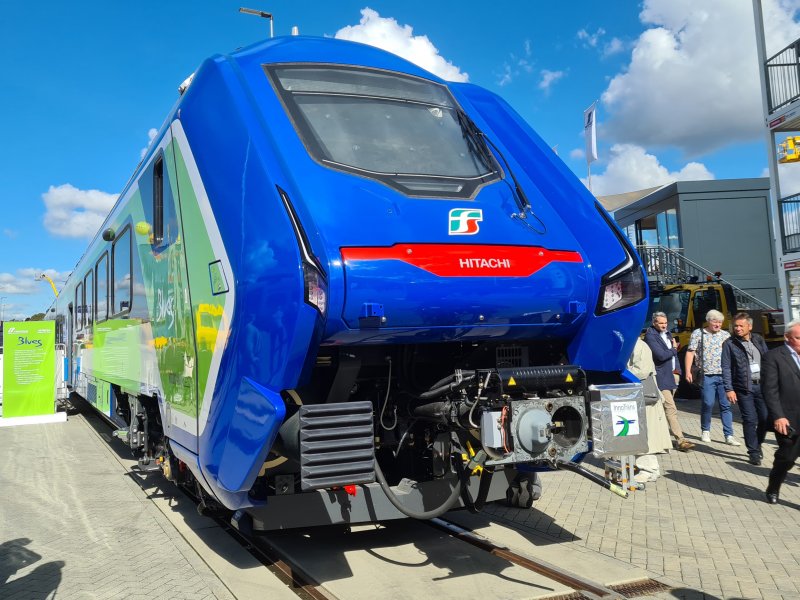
x,y
466,304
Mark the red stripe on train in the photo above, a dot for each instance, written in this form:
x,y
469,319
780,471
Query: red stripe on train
x,y
466,260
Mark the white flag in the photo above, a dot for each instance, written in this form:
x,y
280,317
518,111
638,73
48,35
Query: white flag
x,y
589,133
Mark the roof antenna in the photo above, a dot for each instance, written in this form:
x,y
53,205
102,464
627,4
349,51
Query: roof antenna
x,y
262,14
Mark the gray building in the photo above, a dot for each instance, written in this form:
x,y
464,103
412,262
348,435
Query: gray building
x,y
780,95
722,225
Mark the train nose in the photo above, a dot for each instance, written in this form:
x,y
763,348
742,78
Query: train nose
x,y
457,285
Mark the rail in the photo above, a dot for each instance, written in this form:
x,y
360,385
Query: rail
x,y
782,75
671,266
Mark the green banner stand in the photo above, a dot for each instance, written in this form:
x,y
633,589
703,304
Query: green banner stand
x,y
29,373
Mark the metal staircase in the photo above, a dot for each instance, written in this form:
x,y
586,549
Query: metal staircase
x,y
671,266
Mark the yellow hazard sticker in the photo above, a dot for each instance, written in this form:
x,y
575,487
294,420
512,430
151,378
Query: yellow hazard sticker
x,y
511,381
569,378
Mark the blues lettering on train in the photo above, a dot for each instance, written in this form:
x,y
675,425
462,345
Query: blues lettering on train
x,y
340,289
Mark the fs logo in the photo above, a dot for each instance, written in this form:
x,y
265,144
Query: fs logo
x,y
464,221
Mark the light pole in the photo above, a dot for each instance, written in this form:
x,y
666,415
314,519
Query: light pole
x,y
2,307
262,14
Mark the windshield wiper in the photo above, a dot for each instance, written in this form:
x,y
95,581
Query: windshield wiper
x,y
477,141
474,138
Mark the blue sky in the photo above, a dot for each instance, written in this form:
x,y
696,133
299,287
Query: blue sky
x,y
84,83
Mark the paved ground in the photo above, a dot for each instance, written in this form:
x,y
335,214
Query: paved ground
x,y
74,526
704,522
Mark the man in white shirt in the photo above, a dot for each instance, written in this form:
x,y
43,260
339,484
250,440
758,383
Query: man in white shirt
x,y
707,343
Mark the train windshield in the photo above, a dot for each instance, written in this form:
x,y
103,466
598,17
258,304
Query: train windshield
x,y
404,131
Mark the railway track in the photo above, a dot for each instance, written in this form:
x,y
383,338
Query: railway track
x,y
306,586
583,588
297,564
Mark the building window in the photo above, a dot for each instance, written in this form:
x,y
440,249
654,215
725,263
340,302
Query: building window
x,y
667,229
660,229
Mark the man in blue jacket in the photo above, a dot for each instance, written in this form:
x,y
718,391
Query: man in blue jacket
x,y
741,376
665,353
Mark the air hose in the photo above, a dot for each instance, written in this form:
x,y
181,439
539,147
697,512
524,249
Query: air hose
x,y
576,468
449,503
476,505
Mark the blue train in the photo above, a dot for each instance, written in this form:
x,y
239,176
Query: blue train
x,y
338,289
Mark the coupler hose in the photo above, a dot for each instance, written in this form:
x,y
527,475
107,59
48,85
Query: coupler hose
x,y
568,465
449,503
442,386
475,506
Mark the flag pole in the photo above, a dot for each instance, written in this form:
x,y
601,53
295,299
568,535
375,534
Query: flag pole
x,y
589,173
589,125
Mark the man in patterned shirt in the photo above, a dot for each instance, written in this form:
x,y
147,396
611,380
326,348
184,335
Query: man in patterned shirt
x,y
707,342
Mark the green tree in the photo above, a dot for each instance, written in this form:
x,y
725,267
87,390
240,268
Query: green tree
x,y
36,317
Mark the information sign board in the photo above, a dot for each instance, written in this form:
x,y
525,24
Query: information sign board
x,y
29,368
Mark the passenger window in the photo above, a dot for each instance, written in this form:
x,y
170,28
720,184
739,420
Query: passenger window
x,y
102,288
88,286
79,305
122,283
158,201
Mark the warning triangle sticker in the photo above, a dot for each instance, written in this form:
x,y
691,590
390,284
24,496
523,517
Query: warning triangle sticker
x,y
569,378
512,382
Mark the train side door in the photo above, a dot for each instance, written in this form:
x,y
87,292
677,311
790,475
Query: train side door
x,y
172,322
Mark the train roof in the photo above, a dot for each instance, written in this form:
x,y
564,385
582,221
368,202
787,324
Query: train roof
x,y
324,50
285,49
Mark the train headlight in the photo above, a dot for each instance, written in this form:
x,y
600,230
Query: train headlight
x,y
623,285
621,290
316,290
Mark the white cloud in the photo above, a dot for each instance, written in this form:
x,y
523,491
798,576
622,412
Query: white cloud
x,y
692,81
70,212
631,168
591,39
27,281
506,77
615,46
151,134
549,78
11,233
388,34
516,65
577,153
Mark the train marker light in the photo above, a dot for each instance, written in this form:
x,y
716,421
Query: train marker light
x,y
315,288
